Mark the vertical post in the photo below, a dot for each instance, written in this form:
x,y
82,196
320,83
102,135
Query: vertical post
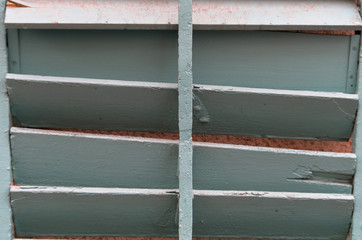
x,y
356,232
5,172
185,118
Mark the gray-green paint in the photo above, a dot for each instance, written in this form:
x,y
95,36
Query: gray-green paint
x,y
277,60
353,64
275,113
272,215
356,230
49,211
47,102
13,49
95,212
185,81
94,104
5,172
53,158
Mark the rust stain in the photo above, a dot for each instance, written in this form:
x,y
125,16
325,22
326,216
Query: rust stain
x,y
324,146
11,3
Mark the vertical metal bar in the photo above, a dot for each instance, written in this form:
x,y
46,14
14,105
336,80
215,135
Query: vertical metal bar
x,y
356,233
185,119
5,173
352,64
14,51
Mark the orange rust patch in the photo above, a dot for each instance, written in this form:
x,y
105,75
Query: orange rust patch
x,y
324,146
11,3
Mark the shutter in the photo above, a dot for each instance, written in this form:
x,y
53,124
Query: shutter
x,y
242,68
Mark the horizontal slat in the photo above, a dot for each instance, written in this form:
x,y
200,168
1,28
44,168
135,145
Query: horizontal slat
x,y
272,215
40,211
275,60
93,104
53,102
94,212
162,14
274,113
43,157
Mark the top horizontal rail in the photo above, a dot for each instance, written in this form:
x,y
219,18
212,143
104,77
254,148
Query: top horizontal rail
x,y
207,14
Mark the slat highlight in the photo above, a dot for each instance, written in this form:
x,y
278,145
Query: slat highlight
x,y
53,102
45,211
162,14
44,157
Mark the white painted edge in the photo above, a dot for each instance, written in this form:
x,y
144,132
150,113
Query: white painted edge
x,y
174,86
19,130
89,81
91,190
201,193
174,26
278,92
106,26
273,195
15,130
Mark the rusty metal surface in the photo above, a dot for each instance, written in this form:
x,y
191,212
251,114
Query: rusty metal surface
x,y
207,14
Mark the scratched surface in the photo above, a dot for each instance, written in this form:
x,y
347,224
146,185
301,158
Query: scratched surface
x,y
207,14
58,158
54,102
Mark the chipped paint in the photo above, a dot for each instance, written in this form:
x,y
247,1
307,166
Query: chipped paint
x,y
163,14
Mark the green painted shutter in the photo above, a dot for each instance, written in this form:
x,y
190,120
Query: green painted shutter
x,y
231,68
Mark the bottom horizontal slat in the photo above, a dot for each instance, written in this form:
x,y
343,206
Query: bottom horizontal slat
x,y
64,211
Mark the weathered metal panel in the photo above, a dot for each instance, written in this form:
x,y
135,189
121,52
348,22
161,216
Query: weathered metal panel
x,y
272,215
93,104
54,158
49,211
5,165
110,212
232,167
53,102
276,60
207,14
274,113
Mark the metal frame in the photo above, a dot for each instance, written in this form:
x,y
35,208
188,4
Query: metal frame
x,y
185,87
356,227
5,165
